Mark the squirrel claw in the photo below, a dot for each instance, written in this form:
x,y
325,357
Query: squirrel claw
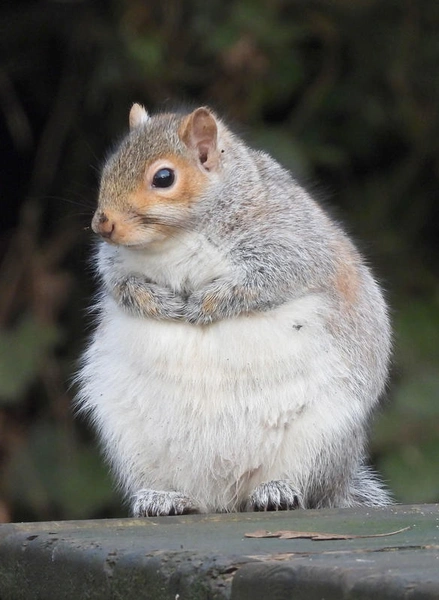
x,y
275,495
152,503
198,319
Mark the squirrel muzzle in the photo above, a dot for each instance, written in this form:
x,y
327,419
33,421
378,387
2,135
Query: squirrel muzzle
x,y
103,225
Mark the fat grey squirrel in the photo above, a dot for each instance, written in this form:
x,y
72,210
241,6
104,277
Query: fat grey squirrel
x,y
241,344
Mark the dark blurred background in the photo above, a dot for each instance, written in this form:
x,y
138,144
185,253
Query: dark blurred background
x,y
345,93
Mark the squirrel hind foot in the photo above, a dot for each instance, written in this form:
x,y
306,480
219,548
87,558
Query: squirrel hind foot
x,y
275,495
152,503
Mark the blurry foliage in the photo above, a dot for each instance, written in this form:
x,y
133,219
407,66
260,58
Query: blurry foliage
x,y
20,351
346,94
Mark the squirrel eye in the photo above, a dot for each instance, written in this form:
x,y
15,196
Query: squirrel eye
x,y
163,178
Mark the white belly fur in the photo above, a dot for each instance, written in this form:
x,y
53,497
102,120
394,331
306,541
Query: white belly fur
x,y
214,411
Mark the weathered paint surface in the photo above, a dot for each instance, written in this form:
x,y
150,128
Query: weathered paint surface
x,y
201,557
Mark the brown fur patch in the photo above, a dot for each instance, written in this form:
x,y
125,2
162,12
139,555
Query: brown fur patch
x,y
145,298
189,185
346,278
210,304
347,282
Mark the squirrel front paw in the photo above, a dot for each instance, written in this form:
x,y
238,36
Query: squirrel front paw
x,y
218,300
195,310
275,495
140,296
152,503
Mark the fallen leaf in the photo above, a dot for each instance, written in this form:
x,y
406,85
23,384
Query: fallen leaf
x,y
313,535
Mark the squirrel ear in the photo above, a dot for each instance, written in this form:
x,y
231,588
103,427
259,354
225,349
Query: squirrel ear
x,y
200,133
138,116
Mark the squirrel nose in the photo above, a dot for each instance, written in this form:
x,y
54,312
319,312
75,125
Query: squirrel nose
x,y
102,225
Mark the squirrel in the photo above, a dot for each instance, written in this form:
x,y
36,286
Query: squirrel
x,y
241,344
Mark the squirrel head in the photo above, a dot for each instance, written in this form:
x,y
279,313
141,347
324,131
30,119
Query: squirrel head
x,y
165,165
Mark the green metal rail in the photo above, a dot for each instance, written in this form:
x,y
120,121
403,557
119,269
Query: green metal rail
x,y
201,557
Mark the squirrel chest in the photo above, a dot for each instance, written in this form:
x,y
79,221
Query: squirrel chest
x,y
212,410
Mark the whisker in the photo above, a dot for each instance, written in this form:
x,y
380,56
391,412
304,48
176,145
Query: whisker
x,y
168,221
81,203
